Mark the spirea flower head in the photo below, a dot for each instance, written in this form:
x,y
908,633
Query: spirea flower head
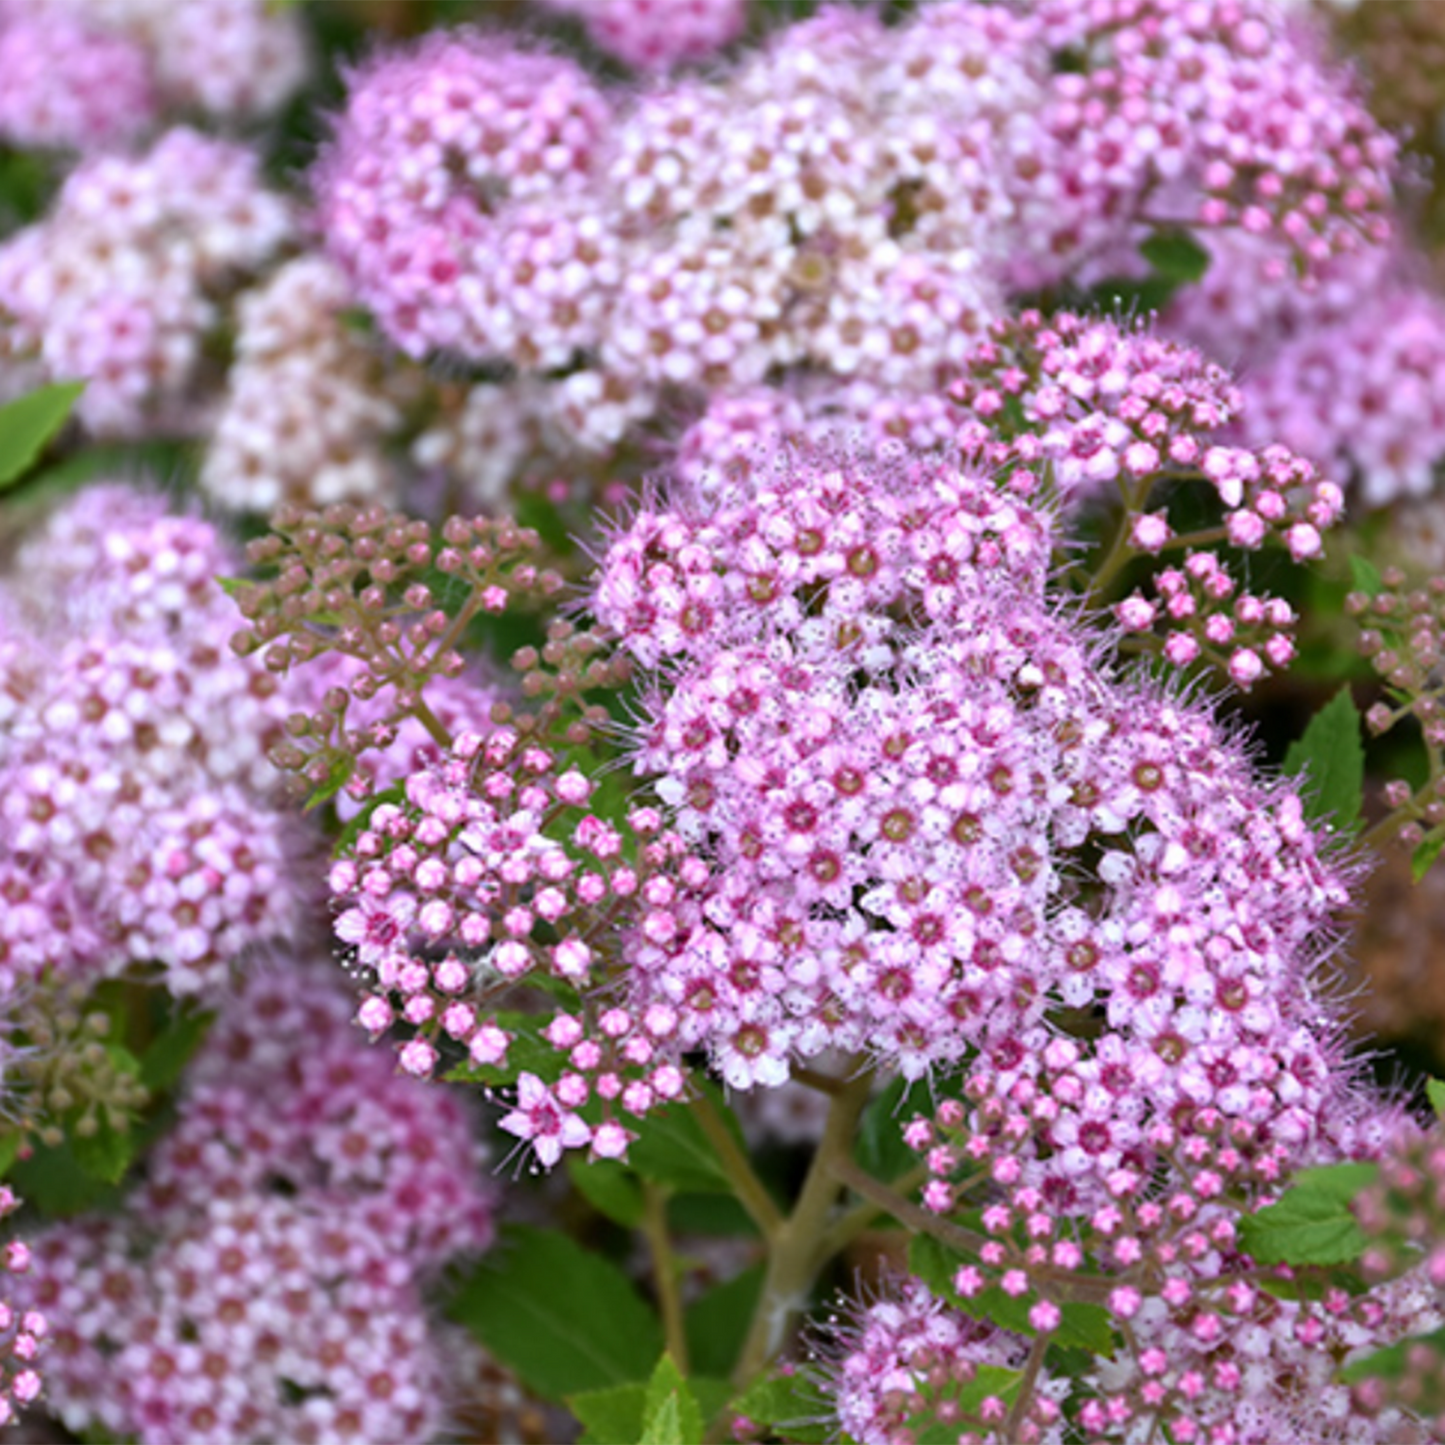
x,y
23,1331
69,86
1221,113
656,34
451,197
900,760
308,404
123,280
231,60
264,1284
140,821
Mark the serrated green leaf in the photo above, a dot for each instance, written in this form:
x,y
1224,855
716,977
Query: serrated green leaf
x,y
1332,755
609,1187
1312,1224
1435,1092
793,1405
1081,1325
609,1415
28,423
565,1319
1422,860
717,1322
670,1415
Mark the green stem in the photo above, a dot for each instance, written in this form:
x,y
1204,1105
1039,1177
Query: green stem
x,y
751,1191
1020,1411
905,1211
429,720
1120,547
664,1271
795,1248
850,1225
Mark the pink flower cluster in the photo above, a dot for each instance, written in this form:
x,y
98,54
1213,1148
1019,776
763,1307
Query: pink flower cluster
x,y
852,198
909,1359
1116,411
1344,367
923,834
264,1283
23,1331
1212,1347
83,74
123,280
138,817
655,34
442,896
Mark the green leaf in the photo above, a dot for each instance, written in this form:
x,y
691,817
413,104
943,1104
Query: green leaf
x,y
1425,854
58,1185
672,1149
105,1154
793,1405
564,1319
614,1415
717,1322
609,1415
1366,576
171,1050
1332,755
529,1053
357,826
29,422
1081,1326
671,1415
1313,1222
609,1187
1435,1092
10,1150
339,768
1390,1362
1175,255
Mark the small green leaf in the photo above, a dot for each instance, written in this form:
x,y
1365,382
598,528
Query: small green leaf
x,y
9,1150
1081,1326
1175,255
171,1050
1313,1223
1435,1092
609,1187
609,1415
58,1185
1390,1362
1366,576
1332,755
670,1415
793,1405
28,423
105,1154
1422,860
339,768
565,1319
529,1053
672,1149
717,1322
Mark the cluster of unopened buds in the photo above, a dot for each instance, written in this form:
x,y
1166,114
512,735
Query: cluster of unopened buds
x,y
1402,634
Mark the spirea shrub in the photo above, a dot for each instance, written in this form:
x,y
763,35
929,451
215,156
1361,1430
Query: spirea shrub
x,y
693,697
